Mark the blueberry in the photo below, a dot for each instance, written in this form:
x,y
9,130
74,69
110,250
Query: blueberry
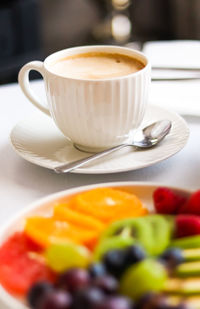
x,y
73,279
37,292
172,257
56,300
115,261
96,270
107,284
88,298
134,254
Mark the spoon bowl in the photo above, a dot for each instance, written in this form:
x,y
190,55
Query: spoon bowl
x,y
145,138
152,134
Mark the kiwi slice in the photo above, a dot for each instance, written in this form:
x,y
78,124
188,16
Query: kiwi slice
x,y
137,228
189,301
191,254
186,242
186,287
162,230
190,269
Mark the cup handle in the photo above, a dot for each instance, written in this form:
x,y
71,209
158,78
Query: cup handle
x,y
24,82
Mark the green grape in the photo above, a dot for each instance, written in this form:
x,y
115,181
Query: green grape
x,y
107,244
147,275
61,257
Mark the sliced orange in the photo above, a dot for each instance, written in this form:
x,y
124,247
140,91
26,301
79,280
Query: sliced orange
x,y
106,203
47,231
62,212
139,212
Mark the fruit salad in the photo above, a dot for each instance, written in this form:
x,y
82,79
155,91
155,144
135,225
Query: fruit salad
x,y
102,249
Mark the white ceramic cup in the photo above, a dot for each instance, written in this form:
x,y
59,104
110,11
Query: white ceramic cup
x,y
94,114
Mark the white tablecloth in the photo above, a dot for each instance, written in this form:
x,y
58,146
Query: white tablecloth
x,y
22,182
183,96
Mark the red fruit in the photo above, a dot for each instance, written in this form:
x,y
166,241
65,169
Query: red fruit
x,y
192,206
167,201
187,225
19,265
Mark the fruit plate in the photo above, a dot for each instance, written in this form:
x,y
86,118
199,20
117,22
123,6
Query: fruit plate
x,y
44,206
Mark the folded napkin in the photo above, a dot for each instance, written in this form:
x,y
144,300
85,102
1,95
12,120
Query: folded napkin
x,y
181,96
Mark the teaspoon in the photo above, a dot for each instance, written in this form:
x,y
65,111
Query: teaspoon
x,y
145,138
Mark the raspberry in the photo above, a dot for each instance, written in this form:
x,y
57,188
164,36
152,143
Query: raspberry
x,y
187,225
167,201
192,206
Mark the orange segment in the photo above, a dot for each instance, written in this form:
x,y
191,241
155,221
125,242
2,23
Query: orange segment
x,y
139,212
106,203
47,231
63,213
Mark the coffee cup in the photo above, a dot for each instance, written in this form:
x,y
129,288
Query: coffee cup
x,y
96,95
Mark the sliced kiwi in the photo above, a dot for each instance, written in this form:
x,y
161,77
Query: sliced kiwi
x,y
191,254
189,269
189,301
186,242
162,230
137,228
177,286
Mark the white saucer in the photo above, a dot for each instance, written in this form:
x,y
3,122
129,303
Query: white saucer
x,y
37,140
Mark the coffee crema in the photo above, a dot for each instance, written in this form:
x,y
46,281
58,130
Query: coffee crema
x,y
96,65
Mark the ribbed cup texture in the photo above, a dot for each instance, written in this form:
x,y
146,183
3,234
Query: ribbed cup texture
x,y
98,114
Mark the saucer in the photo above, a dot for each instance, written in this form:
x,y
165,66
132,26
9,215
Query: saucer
x,y
37,140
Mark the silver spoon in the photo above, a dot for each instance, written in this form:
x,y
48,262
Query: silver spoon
x,y
145,138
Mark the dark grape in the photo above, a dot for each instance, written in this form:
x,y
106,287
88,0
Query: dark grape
x,y
73,279
181,305
134,254
152,301
116,302
96,270
107,284
172,257
115,261
56,300
88,298
144,300
37,292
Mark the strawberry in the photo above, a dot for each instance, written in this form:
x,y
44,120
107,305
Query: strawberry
x,y
187,225
167,201
192,205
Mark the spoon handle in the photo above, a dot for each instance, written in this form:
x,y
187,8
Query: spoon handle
x,y
65,168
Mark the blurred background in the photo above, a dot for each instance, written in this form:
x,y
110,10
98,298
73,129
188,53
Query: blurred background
x,y
33,29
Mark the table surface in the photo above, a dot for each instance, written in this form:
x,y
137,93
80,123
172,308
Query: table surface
x,y
22,182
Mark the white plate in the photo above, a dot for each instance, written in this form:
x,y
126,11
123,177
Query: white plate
x,y
38,140
143,190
